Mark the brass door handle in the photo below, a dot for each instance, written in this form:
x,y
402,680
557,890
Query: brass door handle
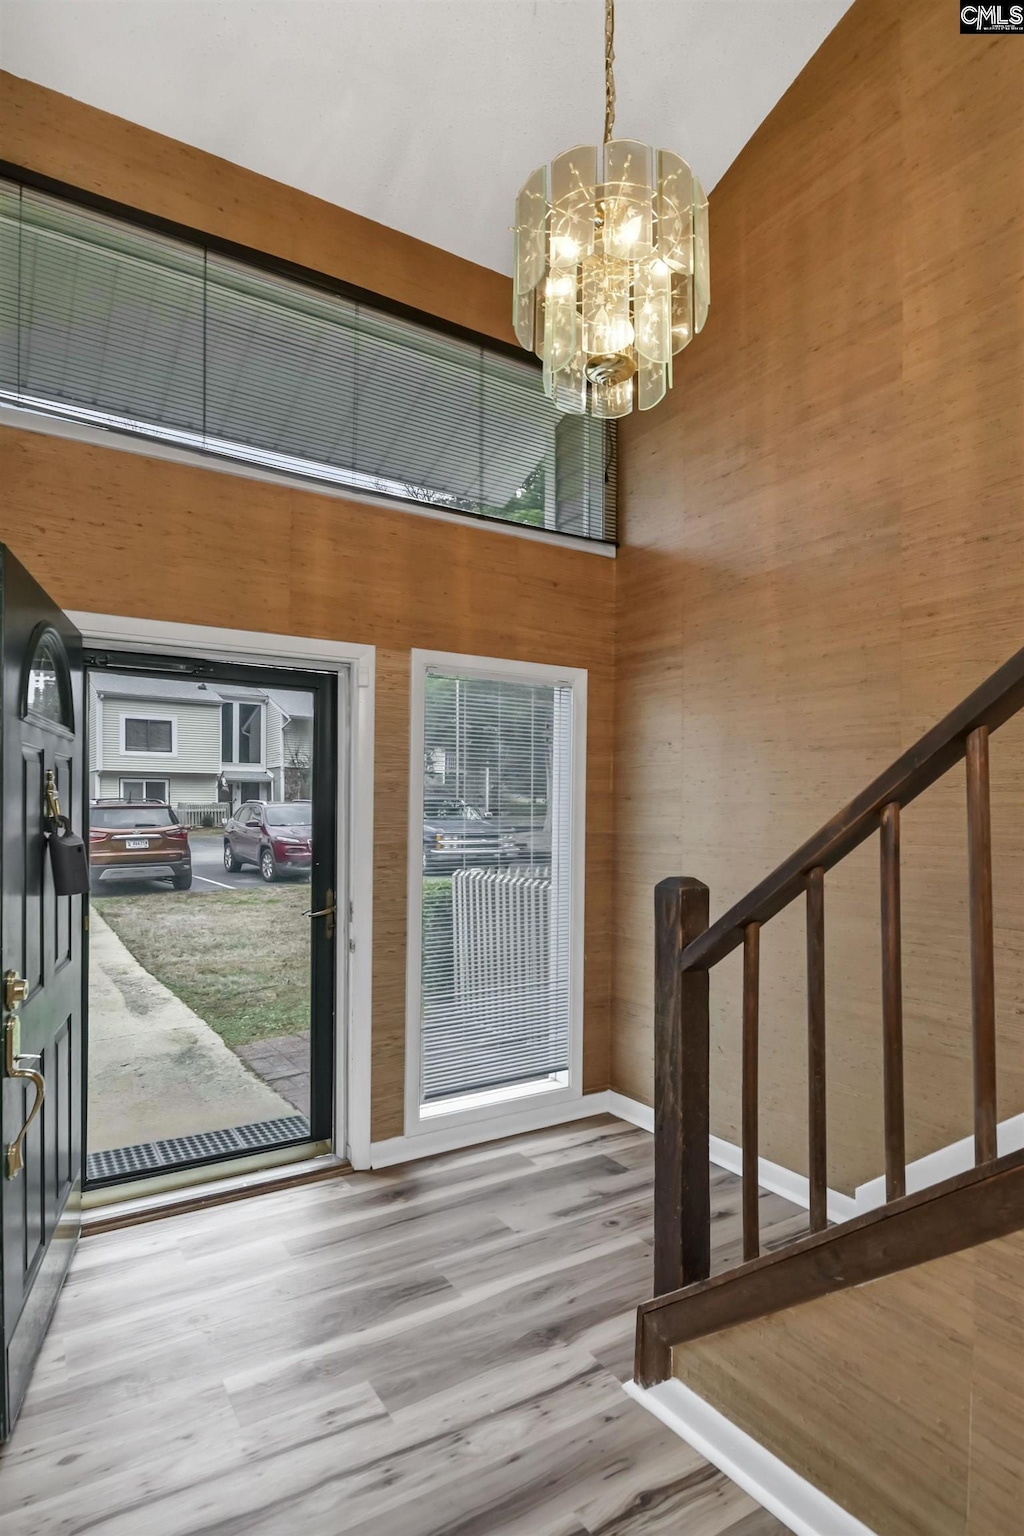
x,y
15,1067
327,912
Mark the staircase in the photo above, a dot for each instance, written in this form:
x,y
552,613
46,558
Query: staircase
x,y
974,1207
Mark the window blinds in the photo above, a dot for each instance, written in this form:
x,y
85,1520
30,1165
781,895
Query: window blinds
x,y
132,329
497,813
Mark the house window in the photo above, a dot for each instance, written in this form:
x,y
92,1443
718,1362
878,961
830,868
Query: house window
x,y
241,733
249,734
145,789
130,328
494,1002
147,734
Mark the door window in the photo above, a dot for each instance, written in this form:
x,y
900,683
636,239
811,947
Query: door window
x,y
210,1009
48,680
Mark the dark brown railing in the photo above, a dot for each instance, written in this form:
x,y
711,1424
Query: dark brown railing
x,y
687,948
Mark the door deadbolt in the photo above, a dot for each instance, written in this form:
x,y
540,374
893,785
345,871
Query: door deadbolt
x,y
15,990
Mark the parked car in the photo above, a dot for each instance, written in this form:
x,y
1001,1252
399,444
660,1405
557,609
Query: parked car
x,y
138,837
277,837
456,834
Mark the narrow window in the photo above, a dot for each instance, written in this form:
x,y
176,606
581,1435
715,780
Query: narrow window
x,y
495,1012
227,733
249,749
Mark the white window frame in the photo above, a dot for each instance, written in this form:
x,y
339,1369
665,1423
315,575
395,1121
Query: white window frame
x,y
143,779
354,969
236,727
512,1101
149,714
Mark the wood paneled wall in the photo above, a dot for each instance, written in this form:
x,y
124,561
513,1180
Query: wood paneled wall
x,y
56,136
822,554
902,1400
114,531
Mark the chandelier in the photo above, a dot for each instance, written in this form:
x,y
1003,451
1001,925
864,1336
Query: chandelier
x,y
611,267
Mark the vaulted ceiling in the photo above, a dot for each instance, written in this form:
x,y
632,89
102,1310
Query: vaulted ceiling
x,y
423,114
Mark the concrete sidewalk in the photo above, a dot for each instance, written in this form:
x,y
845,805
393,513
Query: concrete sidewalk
x,y
156,1069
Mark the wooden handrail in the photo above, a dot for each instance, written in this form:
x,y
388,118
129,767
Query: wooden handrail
x,y
686,950
998,698
973,1207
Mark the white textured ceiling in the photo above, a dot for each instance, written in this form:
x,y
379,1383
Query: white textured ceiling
x,y
423,114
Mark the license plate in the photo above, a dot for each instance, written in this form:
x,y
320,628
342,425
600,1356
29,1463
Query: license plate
x,y
136,842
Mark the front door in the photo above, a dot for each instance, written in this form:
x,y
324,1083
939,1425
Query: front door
x,y
41,965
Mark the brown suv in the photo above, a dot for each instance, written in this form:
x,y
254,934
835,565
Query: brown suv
x,y
138,837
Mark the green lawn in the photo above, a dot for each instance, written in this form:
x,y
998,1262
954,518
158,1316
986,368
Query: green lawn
x,y
239,959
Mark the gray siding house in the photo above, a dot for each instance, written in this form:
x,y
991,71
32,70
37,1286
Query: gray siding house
x,y
204,747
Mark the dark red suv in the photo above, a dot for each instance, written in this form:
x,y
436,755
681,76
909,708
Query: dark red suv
x,y
277,838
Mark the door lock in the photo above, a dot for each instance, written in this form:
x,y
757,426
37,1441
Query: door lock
x,y
15,990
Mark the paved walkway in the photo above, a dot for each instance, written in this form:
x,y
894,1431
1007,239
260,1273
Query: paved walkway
x,y
283,1062
156,1069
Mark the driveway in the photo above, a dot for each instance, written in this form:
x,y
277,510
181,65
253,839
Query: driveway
x,y
208,873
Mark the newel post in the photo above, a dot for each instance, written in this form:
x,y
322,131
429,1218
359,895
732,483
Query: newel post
x,y
682,1173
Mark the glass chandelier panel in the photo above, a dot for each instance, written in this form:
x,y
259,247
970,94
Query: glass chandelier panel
x,y
612,276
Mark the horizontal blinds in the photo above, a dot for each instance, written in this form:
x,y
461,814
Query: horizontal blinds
x,y
113,323
101,316
496,883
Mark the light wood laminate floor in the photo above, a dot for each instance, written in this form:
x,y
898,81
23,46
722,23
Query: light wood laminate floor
x,y
433,1350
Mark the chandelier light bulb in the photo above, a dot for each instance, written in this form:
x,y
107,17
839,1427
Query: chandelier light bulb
x,y
612,276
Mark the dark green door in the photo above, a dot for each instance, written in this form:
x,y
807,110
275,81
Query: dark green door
x,y
40,972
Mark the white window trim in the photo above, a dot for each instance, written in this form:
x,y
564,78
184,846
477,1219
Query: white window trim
x,y
143,779
352,1054
509,1102
236,726
148,714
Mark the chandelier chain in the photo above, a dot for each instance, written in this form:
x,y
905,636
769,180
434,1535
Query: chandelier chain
x,y
609,69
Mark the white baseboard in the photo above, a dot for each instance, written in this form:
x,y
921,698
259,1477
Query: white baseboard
x,y
632,1110
946,1163
536,1117
794,1187
724,1154
800,1506
943,1164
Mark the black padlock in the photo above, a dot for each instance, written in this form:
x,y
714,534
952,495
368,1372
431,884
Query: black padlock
x,y
69,858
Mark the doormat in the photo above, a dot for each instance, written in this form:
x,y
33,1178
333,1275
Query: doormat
x,y
153,1156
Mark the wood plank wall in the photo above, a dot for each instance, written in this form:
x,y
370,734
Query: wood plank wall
x,y
902,1400
111,531
822,554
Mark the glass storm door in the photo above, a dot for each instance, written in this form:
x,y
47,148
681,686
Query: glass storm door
x,y
212,848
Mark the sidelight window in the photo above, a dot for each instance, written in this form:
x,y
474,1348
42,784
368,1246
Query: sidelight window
x,y
495,884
